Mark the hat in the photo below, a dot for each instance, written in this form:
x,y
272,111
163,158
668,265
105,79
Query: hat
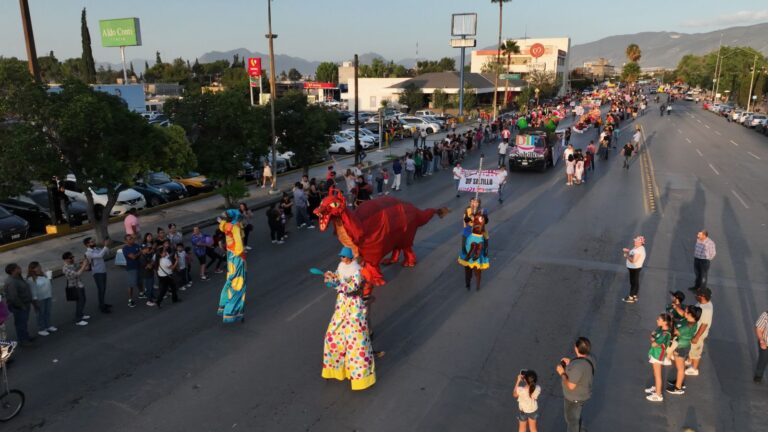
x,y
678,295
346,253
704,292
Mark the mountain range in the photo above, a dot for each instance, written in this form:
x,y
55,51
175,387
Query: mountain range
x,y
659,49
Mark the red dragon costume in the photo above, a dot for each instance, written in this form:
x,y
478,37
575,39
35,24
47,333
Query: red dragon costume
x,y
376,228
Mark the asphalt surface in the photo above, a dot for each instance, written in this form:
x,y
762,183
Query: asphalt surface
x,y
451,355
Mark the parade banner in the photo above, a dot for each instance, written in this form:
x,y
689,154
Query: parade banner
x,y
485,181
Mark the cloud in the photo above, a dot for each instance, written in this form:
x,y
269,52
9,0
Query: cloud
x,y
736,18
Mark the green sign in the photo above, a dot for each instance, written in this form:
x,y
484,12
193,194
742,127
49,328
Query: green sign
x,y
509,76
120,32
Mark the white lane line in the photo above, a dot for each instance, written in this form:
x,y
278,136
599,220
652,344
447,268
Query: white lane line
x,y
317,299
679,131
713,169
718,132
707,126
698,120
740,199
689,140
699,152
734,143
754,155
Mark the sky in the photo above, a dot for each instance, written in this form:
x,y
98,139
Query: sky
x,y
336,29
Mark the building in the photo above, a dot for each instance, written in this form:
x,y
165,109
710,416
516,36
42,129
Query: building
x,y
599,69
371,92
543,54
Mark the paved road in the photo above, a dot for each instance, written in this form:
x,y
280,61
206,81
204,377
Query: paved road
x,y
452,355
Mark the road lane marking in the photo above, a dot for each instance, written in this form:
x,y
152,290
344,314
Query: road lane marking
x,y
707,126
713,169
699,152
698,120
740,199
718,132
679,131
689,140
317,299
754,155
734,143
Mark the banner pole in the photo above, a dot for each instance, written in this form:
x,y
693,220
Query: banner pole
x,y
479,170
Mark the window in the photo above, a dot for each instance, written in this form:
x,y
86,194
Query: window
x,y
373,102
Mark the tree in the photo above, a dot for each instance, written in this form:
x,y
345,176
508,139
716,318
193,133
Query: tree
x,y
445,64
544,81
412,97
235,61
87,133
633,53
630,73
283,76
131,72
440,100
327,72
508,48
196,68
158,60
89,66
223,131
294,75
498,58
470,97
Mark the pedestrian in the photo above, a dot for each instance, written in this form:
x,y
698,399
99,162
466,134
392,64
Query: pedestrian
x,y
18,296
180,273
577,375
202,245
347,349
704,299
147,269
636,138
276,228
503,146
301,203
704,252
635,259
502,179
458,173
286,206
588,163
660,340
423,138
75,285
669,109
410,169
266,174
362,191
761,331
131,223
349,180
684,332
527,393
95,256
131,252
397,170
166,265
591,150
570,168
246,221
578,170
627,151
415,140
174,235
380,181
676,308
418,161
385,178
42,296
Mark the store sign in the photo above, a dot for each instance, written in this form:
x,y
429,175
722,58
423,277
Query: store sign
x,y
254,66
319,85
120,32
537,50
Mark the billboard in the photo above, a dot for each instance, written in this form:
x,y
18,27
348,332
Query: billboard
x,y
319,85
254,66
120,32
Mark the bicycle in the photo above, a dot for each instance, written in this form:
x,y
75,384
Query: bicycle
x,y
11,400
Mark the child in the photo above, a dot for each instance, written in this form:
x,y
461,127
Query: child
x,y
660,340
527,394
181,269
676,309
385,175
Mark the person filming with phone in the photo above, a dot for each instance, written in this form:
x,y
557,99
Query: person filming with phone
x,y
577,375
527,394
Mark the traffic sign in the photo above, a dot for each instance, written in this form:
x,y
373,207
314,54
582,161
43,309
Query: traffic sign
x,y
514,76
254,66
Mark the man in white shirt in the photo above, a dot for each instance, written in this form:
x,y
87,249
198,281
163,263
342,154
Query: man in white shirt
x,y
95,256
635,259
502,179
503,146
636,138
703,296
458,172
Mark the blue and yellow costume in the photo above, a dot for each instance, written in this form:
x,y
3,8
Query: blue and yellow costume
x,y
232,299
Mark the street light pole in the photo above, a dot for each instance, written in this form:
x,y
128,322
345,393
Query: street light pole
x,y
273,91
751,83
717,63
357,118
29,38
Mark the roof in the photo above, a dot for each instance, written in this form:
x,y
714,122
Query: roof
x,y
445,80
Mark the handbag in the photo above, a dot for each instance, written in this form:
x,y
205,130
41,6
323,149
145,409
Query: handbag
x,y
71,292
120,258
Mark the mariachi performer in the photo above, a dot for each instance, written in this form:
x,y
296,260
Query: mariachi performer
x,y
473,255
347,351
232,299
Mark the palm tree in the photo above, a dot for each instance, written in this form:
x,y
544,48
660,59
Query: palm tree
x,y
498,57
633,52
509,47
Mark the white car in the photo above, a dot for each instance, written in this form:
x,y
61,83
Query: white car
x,y
364,116
755,120
422,113
420,124
127,199
365,140
341,145
743,117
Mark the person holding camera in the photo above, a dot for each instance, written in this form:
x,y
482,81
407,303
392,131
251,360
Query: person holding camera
x,y
577,375
527,394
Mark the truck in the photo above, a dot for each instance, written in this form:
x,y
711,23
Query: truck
x,y
536,149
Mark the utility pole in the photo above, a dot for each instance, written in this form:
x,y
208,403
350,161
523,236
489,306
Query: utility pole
x,y
273,95
717,63
29,38
357,118
751,83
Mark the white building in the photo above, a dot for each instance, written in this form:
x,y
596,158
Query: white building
x,y
544,54
371,92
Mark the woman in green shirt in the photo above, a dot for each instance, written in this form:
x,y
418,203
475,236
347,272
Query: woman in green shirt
x,y
684,332
660,340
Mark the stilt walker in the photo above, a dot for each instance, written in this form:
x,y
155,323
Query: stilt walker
x,y
232,299
473,255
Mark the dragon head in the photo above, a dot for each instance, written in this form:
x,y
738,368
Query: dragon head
x,y
332,205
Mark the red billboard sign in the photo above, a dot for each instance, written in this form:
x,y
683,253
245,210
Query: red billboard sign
x,y
319,85
254,66
537,50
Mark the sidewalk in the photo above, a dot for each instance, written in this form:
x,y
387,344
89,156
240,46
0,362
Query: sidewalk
x,y
201,213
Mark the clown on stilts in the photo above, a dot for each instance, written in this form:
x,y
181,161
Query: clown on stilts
x,y
347,350
232,299
473,255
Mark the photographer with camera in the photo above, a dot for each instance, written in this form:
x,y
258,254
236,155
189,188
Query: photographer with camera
x,y
577,375
527,394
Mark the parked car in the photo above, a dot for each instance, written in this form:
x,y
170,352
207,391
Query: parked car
x,y
420,124
363,116
126,199
365,140
152,195
753,120
195,183
247,172
12,227
341,145
422,113
34,208
161,181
